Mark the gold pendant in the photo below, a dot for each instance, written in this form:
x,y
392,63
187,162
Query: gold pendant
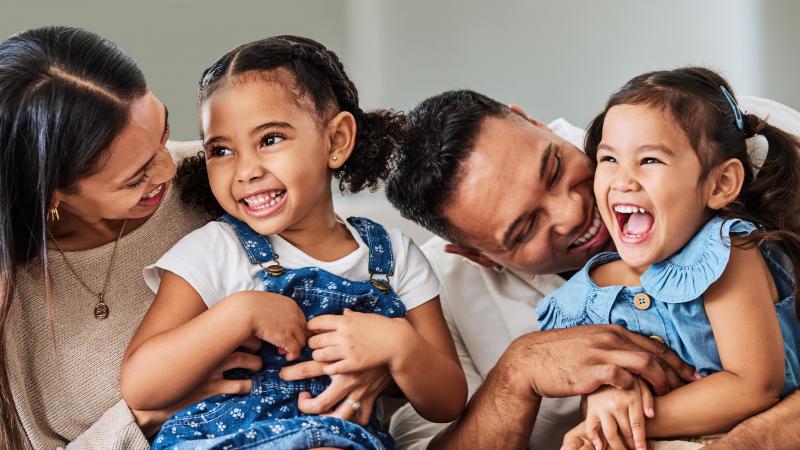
x,y
100,309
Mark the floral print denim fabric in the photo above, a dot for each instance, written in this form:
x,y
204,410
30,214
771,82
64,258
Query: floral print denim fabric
x,y
673,307
268,417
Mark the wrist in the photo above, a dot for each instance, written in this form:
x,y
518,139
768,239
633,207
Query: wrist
x,y
149,421
240,313
516,369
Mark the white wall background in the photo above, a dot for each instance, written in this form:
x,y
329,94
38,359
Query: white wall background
x,y
556,58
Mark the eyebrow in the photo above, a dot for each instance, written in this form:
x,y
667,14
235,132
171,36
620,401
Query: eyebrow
x,y
661,148
254,131
144,167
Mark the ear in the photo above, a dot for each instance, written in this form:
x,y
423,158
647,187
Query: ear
x,y
472,255
726,183
518,109
341,133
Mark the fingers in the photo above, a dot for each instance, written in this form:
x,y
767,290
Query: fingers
x,y
327,322
662,351
648,402
644,364
239,360
611,432
322,340
592,431
611,375
252,344
328,354
637,429
232,387
324,402
303,371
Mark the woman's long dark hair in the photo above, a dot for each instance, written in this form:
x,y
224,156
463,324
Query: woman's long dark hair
x,y
64,96
318,76
694,98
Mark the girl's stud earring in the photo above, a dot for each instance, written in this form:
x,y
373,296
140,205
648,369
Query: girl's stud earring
x,y
334,158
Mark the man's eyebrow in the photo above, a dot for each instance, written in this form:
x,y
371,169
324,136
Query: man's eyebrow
x,y
545,158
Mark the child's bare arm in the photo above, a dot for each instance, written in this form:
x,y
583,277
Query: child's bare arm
x,y
740,307
180,341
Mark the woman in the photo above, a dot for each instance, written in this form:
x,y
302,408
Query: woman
x,y
86,203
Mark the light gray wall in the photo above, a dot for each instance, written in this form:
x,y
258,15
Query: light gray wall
x,y
174,40
560,58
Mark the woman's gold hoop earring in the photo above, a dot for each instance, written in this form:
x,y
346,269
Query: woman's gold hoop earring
x,y
52,214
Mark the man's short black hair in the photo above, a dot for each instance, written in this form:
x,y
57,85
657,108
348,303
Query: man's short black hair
x,y
441,134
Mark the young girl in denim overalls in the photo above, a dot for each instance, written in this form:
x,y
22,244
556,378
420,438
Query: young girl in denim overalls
x,y
279,117
707,247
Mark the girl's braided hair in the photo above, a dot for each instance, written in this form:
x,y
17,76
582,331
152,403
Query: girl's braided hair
x,y
319,79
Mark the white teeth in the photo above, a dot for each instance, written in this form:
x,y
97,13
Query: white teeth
x,y
628,209
597,222
152,194
262,201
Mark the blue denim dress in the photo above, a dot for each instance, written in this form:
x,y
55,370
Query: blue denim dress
x,y
669,303
268,418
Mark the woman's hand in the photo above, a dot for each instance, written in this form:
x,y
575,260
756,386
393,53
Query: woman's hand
x,y
620,414
276,319
363,387
150,422
355,341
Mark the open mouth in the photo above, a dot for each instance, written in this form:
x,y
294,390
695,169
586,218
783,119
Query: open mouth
x,y
264,203
592,232
153,197
635,223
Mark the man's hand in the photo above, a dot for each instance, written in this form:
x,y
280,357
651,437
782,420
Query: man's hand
x,y
577,361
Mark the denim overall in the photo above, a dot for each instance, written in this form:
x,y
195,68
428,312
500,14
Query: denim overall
x,y
268,418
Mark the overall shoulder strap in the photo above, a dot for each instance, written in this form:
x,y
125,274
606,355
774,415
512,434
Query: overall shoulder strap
x,y
381,260
257,246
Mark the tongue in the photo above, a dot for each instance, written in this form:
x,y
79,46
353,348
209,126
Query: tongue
x,y
639,223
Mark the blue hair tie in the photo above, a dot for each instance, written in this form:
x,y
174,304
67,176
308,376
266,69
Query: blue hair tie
x,y
737,113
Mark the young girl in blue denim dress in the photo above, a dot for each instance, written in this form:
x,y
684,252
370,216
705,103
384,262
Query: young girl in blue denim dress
x,y
707,250
279,118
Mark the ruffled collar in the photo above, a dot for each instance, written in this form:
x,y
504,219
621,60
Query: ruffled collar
x,y
685,275
688,273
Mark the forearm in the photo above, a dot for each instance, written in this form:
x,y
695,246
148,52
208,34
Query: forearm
x,y
775,428
503,410
432,382
166,367
712,405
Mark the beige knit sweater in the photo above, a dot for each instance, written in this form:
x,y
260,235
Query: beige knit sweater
x,y
66,383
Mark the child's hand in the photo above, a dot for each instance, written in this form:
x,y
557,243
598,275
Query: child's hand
x,y
278,320
356,341
578,439
620,414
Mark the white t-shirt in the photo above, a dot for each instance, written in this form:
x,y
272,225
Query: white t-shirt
x,y
211,259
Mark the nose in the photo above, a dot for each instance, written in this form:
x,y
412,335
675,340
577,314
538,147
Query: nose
x,y
248,166
624,180
163,168
568,211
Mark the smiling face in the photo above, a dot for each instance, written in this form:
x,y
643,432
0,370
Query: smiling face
x,y
647,184
525,199
266,156
134,173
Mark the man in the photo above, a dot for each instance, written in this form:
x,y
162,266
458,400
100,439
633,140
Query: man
x,y
517,199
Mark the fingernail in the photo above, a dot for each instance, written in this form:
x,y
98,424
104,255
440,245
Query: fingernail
x,y
650,412
697,376
597,445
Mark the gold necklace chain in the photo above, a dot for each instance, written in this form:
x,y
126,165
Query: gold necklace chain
x,y
101,309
